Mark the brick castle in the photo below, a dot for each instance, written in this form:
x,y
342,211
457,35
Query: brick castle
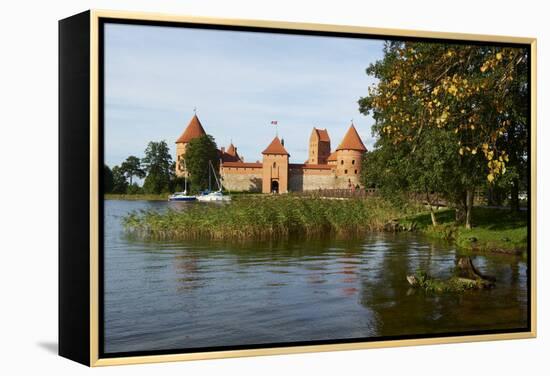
x,y
323,169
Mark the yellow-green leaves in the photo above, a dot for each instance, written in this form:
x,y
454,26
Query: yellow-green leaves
x,y
459,89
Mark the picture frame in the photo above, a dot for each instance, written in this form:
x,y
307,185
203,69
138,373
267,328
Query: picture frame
x,y
82,150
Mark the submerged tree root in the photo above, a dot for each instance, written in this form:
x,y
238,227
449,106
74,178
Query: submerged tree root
x,y
467,278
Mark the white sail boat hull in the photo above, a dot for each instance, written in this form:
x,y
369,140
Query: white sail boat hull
x,y
213,196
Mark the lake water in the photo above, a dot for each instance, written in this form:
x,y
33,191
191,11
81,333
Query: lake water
x,y
183,295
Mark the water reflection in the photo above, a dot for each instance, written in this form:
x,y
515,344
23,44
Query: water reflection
x,y
166,295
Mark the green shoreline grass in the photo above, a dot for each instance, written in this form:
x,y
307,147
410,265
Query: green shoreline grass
x,y
266,217
261,217
494,230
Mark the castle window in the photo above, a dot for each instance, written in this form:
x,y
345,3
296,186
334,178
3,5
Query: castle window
x,y
342,162
345,171
274,164
353,161
355,172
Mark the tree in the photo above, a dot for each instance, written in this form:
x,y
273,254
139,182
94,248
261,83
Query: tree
x,y
132,167
463,91
200,152
134,189
120,184
397,171
107,179
156,163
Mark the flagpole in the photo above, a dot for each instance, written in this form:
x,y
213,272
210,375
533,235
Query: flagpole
x,y
276,124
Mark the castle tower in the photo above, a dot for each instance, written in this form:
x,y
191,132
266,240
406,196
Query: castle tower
x,y
275,168
232,152
348,158
193,130
319,146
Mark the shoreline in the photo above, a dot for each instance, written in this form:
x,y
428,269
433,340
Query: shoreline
x,y
497,231
135,197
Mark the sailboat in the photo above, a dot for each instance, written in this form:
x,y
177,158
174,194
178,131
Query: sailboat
x,y
213,196
182,196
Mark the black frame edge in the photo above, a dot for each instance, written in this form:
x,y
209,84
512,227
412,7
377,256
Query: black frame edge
x,y
197,25
74,185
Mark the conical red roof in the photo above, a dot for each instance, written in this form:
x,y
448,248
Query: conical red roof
x,y
194,129
352,141
275,147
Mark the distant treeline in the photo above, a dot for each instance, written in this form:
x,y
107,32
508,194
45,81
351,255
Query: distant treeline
x,y
159,170
156,167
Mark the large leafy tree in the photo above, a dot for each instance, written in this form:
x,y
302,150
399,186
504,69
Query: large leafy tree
x,y
466,94
200,153
157,163
107,179
398,171
120,184
132,167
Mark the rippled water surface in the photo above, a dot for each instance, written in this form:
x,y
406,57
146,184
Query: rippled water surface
x,y
177,295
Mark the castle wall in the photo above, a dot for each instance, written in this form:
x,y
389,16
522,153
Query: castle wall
x,y
301,179
242,178
341,182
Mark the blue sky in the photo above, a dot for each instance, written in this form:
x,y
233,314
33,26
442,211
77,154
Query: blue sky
x,y
238,81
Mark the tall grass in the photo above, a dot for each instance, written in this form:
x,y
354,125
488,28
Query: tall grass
x,y
265,217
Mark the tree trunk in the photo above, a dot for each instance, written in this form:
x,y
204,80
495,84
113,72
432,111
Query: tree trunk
x,y
514,195
432,215
466,269
460,210
469,206
430,206
491,197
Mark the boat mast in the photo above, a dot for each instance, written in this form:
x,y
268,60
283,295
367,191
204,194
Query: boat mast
x,y
209,180
215,176
185,176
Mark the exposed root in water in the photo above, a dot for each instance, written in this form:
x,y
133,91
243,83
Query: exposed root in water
x,y
466,277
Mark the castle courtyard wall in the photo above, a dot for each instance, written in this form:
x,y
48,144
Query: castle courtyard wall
x,y
305,179
242,179
341,182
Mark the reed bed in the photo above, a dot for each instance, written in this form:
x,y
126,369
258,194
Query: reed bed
x,y
265,217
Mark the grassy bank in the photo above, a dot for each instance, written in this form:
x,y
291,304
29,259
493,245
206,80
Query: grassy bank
x,y
136,197
277,217
496,230
266,217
